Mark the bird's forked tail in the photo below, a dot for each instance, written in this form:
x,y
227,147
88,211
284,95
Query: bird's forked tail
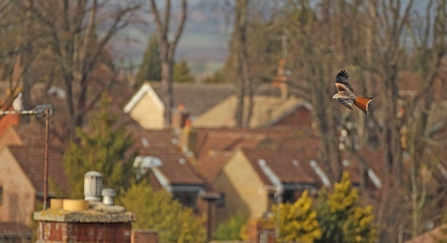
x,y
363,103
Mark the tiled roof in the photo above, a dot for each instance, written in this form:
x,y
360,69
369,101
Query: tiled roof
x,y
354,170
146,138
291,139
216,145
432,236
209,164
155,184
30,154
289,166
174,165
31,135
32,159
410,83
213,144
34,134
11,230
227,141
120,93
374,159
197,98
265,110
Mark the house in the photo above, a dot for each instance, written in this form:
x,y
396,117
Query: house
x,y
438,234
247,166
15,233
212,147
147,107
22,156
199,141
22,180
169,169
252,179
267,111
213,105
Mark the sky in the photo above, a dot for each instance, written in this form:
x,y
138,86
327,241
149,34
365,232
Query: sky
x,y
204,42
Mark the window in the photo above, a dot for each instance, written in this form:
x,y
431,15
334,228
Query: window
x,y
188,199
221,201
289,196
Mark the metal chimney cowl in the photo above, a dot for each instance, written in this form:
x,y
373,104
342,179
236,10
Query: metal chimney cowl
x,y
92,186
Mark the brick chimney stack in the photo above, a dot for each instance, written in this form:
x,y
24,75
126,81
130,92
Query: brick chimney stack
x,y
144,236
179,116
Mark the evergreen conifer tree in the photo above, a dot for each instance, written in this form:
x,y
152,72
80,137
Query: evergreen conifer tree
x,y
182,74
150,68
102,148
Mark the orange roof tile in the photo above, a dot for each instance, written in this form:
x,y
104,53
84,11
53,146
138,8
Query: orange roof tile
x,y
290,167
174,165
146,138
431,236
209,164
227,141
32,160
11,230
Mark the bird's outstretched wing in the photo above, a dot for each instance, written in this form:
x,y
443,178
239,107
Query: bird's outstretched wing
x,y
342,82
346,102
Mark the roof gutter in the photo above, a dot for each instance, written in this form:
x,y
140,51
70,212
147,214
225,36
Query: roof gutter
x,y
146,88
164,181
320,173
271,176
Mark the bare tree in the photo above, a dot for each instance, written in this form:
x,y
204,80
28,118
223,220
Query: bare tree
x,y
16,54
430,44
168,50
77,36
313,57
240,64
330,36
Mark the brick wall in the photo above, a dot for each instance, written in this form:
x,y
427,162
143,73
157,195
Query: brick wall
x,y
18,197
148,114
144,236
244,190
300,117
260,231
83,232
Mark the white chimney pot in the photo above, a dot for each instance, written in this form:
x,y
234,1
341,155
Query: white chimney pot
x,y
108,195
92,186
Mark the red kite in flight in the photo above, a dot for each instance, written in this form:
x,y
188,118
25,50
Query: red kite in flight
x,y
346,94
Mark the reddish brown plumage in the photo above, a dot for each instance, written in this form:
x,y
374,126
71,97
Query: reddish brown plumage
x,y
362,103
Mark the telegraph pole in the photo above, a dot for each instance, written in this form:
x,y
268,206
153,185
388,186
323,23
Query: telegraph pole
x,y
40,111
